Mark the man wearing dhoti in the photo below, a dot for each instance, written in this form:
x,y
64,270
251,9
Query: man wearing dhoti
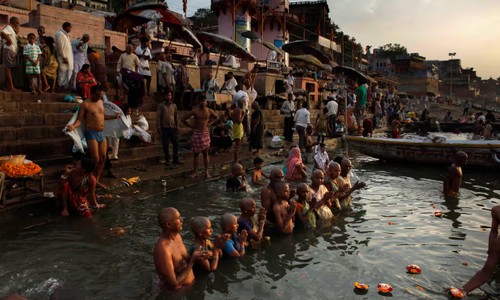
x,y
79,47
64,56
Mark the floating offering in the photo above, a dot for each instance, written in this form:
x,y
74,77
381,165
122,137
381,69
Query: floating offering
x,y
361,286
384,288
413,269
438,214
456,292
390,223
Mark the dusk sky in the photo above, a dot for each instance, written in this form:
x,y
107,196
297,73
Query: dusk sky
x,y
432,28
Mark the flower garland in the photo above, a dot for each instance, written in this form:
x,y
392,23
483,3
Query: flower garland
x,y
21,170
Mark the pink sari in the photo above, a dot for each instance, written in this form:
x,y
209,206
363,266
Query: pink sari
x,y
294,160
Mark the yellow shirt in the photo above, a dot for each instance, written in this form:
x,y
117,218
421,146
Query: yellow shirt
x,y
128,61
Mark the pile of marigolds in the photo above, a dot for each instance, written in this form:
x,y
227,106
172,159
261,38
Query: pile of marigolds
x,y
20,170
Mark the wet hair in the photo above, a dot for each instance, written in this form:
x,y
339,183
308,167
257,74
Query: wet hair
x,y
95,89
226,219
87,165
197,224
257,161
31,35
338,159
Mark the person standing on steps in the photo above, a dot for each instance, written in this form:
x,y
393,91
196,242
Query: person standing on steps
x,y
64,56
9,60
168,126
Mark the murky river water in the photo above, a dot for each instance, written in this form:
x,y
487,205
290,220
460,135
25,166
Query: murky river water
x,y
79,260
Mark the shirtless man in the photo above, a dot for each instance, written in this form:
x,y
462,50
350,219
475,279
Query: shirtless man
x,y
493,259
238,130
268,194
395,125
282,210
203,117
452,183
92,112
174,267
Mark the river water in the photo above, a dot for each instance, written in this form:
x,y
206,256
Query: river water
x,y
79,259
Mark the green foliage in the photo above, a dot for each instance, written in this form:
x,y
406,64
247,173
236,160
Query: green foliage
x,y
204,17
391,51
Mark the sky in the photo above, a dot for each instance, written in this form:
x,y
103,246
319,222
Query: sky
x,y
433,28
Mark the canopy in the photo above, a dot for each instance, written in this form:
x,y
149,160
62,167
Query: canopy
x,y
354,74
142,13
306,62
271,46
250,35
187,35
225,45
304,48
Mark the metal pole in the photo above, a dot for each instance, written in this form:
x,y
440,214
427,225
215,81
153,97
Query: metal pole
x,y
451,54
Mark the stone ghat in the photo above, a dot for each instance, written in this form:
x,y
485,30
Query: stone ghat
x,y
34,128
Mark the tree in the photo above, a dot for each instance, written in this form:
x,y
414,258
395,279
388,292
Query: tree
x,y
204,17
391,51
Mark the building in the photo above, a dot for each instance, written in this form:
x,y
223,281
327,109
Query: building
x,y
94,4
453,79
415,77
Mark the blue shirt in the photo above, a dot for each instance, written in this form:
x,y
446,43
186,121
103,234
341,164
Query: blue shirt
x,y
232,244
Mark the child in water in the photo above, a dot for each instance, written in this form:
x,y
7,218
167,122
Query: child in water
x,y
202,230
249,221
304,215
258,173
235,245
236,181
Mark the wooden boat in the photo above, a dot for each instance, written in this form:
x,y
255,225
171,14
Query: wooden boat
x,y
444,126
482,153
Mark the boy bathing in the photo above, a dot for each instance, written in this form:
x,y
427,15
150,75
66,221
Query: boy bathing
x,y
202,230
258,173
235,246
237,181
283,211
254,225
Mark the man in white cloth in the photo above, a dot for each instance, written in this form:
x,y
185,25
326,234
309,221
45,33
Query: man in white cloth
x,y
80,47
9,41
210,87
333,107
144,54
64,56
241,99
229,86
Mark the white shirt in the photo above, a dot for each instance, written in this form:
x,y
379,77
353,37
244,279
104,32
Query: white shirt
x,y
230,86
290,79
286,108
239,97
272,55
302,117
9,31
332,107
144,65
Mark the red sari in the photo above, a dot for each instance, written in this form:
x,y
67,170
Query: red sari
x,y
77,186
85,81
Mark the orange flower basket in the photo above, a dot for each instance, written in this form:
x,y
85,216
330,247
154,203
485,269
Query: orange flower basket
x,y
13,159
20,170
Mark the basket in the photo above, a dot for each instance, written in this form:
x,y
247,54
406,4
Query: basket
x,y
13,159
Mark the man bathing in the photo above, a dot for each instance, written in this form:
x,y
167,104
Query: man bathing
x,y
172,263
92,113
203,117
452,183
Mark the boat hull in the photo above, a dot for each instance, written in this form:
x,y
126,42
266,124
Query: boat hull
x,y
481,153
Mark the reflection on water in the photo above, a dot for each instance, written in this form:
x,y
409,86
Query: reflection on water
x,y
391,224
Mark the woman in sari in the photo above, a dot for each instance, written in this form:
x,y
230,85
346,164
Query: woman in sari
x,y
295,169
85,80
50,64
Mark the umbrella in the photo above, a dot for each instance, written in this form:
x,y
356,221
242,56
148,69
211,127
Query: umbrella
x,y
225,45
352,73
142,13
305,48
307,62
187,35
250,35
271,46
